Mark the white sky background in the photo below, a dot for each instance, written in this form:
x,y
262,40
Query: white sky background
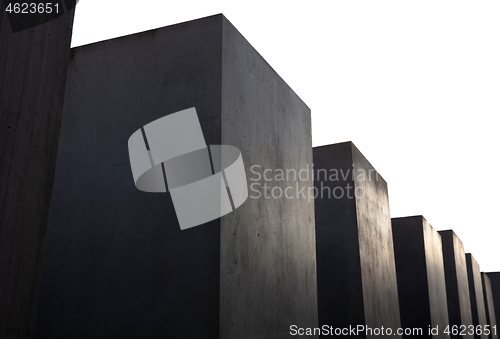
x,y
414,84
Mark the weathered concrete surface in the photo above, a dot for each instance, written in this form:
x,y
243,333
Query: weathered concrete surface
x,y
117,264
476,294
355,254
33,69
495,291
420,272
268,261
457,286
489,305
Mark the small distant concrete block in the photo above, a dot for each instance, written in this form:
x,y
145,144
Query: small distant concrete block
x,y
476,295
355,254
489,306
420,271
457,286
495,292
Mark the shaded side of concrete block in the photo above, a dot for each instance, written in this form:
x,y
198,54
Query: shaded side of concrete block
x,y
33,69
337,243
117,263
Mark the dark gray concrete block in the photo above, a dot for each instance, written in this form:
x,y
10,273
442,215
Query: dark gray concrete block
x,y
355,255
495,292
476,295
489,306
420,272
457,286
117,264
33,69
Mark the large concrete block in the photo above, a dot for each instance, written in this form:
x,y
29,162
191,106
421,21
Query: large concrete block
x,y
489,306
355,254
495,292
457,286
117,263
33,68
476,296
420,272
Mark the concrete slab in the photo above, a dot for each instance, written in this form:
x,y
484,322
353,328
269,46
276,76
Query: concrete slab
x,y
495,292
420,272
33,68
457,286
356,270
489,306
117,264
476,296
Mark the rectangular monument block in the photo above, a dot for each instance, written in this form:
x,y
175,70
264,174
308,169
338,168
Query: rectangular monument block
x,y
476,295
420,272
495,292
457,286
33,67
117,263
489,306
355,254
